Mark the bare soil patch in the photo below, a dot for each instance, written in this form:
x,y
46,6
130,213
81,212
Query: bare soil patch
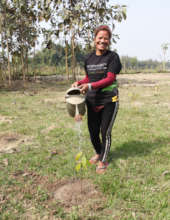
x,y
9,142
56,82
144,79
4,119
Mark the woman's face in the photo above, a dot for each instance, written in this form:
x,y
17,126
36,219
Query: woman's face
x,y
102,42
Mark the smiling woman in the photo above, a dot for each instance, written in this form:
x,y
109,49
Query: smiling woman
x,y
102,39
100,86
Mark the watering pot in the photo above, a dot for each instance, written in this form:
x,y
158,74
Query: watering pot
x,y
75,102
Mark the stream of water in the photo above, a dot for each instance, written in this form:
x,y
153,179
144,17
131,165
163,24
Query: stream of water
x,y
78,128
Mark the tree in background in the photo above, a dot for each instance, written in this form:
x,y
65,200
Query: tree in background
x,y
75,21
19,32
5,24
164,48
55,58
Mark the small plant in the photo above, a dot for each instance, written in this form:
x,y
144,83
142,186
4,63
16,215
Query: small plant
x,y
81,162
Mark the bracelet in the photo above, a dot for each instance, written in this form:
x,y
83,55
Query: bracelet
x,y
89,86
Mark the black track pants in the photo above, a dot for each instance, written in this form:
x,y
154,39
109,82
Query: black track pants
x,y
101,123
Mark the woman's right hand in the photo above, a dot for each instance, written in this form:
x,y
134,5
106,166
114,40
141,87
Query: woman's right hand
x,y
78,117
75,84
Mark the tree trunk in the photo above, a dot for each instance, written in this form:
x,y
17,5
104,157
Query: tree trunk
x,y
34,72
3,32
124,66
73,63
22,64
26,61
9,65
164,62
66,59
2,70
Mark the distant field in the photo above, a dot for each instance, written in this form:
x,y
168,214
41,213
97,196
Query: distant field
x,y
39,142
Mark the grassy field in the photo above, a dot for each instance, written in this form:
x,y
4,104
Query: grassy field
x,y
39,141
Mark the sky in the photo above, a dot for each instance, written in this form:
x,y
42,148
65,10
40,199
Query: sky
x,y
146,28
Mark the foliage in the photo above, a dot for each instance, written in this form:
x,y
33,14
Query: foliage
x,y
21,23
19,31
55,56
80,18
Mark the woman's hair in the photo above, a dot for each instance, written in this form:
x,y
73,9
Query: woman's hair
x,y
103,28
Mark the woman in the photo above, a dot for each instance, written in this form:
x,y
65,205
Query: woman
x,y
100,86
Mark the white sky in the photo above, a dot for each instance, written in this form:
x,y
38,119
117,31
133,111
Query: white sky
x,y
146,28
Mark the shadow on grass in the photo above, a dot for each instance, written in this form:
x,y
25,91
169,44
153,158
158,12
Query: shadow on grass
x,y
137,148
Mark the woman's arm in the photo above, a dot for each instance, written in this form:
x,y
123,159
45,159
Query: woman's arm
x,y
111,77
80,82
85,80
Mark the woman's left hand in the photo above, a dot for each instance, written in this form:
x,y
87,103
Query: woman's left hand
x,y
83,88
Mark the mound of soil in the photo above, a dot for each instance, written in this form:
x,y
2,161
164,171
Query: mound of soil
x,y
77,192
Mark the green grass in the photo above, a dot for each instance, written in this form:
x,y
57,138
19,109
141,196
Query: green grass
x,y
137,182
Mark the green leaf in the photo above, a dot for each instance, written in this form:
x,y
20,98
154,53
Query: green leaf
x,y
116,6
107,17
78,156
78,167
88,163
60,25
124,12
101,11
84,162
